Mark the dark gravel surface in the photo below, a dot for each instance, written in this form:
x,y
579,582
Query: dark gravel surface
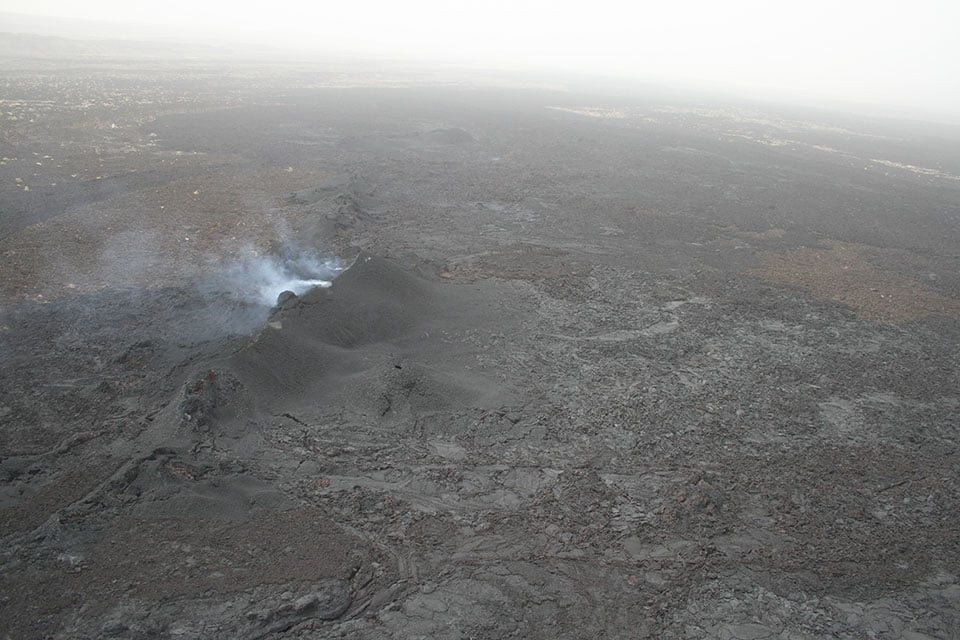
x,y
644,366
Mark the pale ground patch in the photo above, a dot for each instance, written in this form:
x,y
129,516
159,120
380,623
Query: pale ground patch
x,y
843,274
769,234
924,171
594,112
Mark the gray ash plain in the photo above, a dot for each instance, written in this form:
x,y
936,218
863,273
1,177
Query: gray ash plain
x,y
606,364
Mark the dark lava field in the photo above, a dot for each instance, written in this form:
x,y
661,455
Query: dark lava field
x,y
595,362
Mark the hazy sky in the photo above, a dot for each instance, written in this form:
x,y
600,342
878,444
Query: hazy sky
x,y
903,53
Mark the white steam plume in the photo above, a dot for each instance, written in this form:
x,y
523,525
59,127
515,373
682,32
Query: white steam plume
x,y
259,279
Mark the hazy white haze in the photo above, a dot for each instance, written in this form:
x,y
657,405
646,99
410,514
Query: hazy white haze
x,y
873,52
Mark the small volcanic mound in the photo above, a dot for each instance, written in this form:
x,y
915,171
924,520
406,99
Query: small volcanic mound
x,y
373,301
454,136
353,186
384,338
334,209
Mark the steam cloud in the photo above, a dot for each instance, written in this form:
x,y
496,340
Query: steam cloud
x,y
259,279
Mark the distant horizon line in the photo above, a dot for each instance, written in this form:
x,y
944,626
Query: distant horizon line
x,y
228,46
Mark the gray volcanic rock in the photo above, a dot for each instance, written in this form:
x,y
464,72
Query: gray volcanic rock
x,y
603,366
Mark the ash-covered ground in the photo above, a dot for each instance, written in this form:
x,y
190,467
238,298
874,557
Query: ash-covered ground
x,y
610,364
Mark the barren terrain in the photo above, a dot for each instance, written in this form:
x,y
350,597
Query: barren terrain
x,y
602,365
